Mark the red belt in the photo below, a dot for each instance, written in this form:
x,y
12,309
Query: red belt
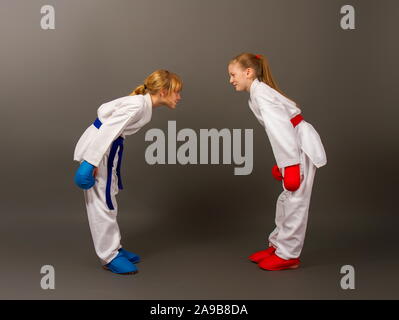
x,y
295,120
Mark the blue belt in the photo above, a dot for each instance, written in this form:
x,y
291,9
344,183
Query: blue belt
x,y
118,143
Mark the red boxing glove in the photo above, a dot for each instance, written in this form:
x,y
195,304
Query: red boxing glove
x,y
276,173
292,178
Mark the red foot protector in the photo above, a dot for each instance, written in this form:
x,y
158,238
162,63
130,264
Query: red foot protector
x,y
260,255
274,262
292,178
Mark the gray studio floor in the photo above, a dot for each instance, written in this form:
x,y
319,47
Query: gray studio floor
x,y
182,263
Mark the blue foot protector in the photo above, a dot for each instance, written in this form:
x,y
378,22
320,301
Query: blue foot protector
x,y
132,257
84,175
121,265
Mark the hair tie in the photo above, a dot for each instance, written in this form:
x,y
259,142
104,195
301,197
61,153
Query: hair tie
x,y
145,87
257,56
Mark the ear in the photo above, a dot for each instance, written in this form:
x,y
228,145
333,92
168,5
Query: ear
x,y
163,92
249,72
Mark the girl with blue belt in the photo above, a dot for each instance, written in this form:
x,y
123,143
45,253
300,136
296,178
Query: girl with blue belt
x,y
99,151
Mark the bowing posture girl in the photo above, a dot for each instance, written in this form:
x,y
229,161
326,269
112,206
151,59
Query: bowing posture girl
x,y
297,149
99,151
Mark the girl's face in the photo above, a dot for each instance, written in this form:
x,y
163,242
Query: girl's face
x,y
240,78
171,100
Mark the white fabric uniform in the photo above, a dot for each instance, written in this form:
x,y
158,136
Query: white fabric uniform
x,y
121,117
291,145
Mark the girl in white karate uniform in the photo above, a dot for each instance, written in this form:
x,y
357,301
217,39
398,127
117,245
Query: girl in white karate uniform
x,y
99,151
297,149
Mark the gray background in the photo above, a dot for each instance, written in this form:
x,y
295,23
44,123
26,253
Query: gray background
x,y
194,226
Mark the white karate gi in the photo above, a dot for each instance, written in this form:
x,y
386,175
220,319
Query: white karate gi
x,y
290,146
121,117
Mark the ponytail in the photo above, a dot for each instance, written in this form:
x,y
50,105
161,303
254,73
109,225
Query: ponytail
x,y
141,89
265,73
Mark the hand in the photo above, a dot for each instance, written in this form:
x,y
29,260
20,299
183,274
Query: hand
x,y
84,177
276,173
292,179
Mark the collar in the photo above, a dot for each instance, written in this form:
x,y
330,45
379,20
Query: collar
x,y
254,84
148,101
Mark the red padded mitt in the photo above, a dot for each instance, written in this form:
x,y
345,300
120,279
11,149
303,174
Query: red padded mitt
x,y
292,177
276,173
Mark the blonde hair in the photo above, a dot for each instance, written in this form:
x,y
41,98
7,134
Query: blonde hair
x,y
261,66
158,80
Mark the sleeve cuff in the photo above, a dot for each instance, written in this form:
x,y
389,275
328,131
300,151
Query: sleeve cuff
x,y
93,160
287,163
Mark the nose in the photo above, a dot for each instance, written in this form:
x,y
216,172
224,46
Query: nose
x,y
231,80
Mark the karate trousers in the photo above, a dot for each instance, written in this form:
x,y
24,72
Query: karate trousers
x,y
102,220
292,210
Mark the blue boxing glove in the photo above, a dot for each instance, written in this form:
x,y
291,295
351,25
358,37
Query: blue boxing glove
x,y
84,177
